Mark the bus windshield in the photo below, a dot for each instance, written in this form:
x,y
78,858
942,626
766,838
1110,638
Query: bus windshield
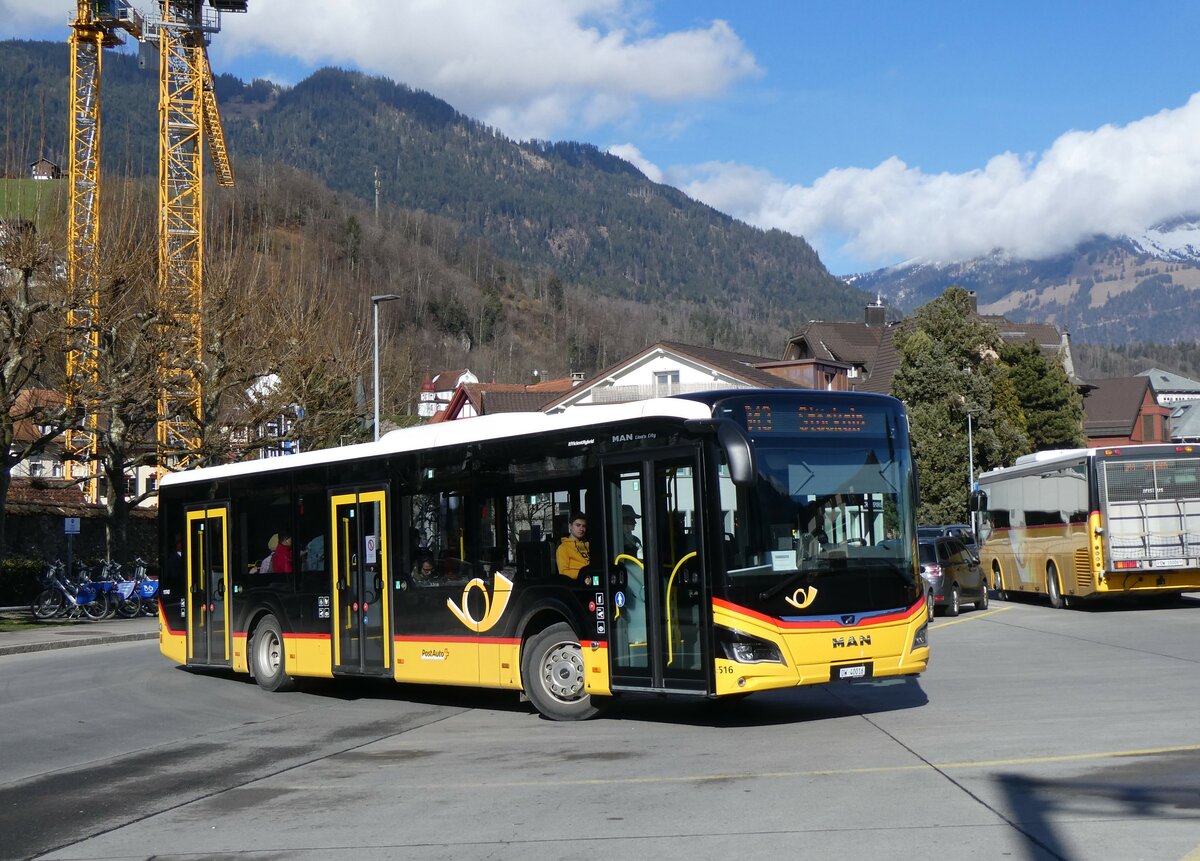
x,y
828,523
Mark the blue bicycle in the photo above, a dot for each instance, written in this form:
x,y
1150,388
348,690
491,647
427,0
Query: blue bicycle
x,y
63,597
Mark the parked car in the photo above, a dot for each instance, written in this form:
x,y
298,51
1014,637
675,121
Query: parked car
x,y
953,574
961,531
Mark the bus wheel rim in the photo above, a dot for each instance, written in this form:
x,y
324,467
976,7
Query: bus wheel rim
x,y
271,652
562,671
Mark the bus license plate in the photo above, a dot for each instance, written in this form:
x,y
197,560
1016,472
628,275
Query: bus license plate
x,y
854,671
1168,563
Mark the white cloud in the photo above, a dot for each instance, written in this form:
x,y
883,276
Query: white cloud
x,y
1115,179
634,156
25,19
529,67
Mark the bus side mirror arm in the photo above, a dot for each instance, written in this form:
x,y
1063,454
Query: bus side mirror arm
x,y
739,450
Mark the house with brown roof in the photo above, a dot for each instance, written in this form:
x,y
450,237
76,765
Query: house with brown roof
x,y
47,462
477,399
869,347
43,168
1123,411
439,388
671,368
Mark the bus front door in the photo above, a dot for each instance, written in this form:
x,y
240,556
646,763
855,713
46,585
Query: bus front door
x,y
207,555
657,590
359,564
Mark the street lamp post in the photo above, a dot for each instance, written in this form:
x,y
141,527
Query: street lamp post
x,y
971,468
375,300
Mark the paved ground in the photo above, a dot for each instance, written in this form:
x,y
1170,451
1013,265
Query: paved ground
x,y
64,633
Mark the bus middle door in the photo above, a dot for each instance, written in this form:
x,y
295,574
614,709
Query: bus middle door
x,y
359,564
207,555
657,586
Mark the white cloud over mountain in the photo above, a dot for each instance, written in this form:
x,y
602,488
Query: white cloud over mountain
x,y
1113,180
528,67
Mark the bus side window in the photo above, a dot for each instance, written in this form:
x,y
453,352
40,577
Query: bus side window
x,y
535,560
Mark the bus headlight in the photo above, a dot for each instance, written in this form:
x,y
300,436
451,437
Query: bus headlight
x,y
921,638
745,649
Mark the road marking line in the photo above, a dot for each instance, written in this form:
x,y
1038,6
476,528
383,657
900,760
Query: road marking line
x,y
973,616
882,769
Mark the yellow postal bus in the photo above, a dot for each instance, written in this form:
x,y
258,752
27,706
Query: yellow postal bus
x,y
1089,523
734,542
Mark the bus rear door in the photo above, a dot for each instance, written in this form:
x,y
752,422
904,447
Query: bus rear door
x,y
207,555
657,590
359,564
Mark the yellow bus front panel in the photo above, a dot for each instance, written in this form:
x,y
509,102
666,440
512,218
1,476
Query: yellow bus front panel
x,y
815,651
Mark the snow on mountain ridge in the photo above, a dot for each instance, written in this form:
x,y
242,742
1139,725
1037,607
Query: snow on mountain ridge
x,y
1176,241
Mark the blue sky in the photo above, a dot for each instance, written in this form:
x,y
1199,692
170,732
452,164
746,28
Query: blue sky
x,y
880,131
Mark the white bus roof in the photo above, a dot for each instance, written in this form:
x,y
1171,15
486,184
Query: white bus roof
x,y
1057,455
459,432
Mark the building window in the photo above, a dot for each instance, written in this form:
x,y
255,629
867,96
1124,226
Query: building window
x,y
1149,428
666,378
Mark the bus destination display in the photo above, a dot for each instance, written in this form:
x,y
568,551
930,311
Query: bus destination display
x,y
805,418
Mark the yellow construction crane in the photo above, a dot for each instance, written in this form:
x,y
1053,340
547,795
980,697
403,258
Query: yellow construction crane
x,y
187,113
97,25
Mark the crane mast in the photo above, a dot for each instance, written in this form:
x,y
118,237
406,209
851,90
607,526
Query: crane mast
x,y
95,27
188,114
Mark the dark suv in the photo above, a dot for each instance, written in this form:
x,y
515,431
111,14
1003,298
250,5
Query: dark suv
x,y
961,531
953,574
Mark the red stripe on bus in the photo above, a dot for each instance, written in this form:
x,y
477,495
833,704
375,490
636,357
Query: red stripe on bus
x,y
817,624
438,638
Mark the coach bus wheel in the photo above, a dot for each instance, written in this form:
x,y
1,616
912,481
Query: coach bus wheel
x,y
1052,586
267,656
552,673
998,582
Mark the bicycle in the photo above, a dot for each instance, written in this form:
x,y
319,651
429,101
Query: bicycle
x,y
62,597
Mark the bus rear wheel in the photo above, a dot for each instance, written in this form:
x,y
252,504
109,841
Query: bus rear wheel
x,y
267,658
552,674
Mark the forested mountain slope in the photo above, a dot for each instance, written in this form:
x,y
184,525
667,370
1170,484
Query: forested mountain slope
x,y
563,210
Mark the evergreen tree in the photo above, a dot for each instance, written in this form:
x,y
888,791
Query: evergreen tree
x,y
1053,407
949,368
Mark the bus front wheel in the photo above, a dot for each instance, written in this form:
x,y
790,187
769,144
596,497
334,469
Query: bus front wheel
x,y
268,661
1053,588
552,674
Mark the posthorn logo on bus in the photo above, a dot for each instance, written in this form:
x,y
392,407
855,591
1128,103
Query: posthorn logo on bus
x,y
802,597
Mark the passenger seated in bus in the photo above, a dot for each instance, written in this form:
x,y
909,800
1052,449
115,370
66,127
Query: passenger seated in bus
x,y
573,553
266,565
312,558
424,573
281,558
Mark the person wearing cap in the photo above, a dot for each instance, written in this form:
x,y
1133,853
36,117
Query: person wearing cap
x,y
629,519
574,552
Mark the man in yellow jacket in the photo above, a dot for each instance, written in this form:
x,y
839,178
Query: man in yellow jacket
x,y
573,553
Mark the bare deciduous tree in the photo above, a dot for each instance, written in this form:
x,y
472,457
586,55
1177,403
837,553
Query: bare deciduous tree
x,y
32,338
